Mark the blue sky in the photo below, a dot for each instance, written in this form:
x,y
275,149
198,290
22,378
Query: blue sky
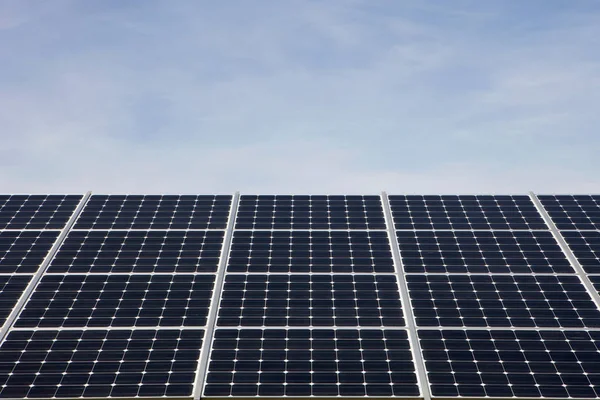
x,y
348,96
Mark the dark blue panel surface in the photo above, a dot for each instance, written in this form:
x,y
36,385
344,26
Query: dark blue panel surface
x,y
586,248
310,300
481,252
316,251
36,211
465,212
502,301
310,212
139,251
11,289
24,252
512,363
118,300
155,212
302,362
573,212
99,363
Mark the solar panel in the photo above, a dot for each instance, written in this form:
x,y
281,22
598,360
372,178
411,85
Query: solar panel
x,y
139,251
481,252
24,251
99,363
573,212
465,212
501,301
155,212
118,301
299,296
586,248
11,289
504,363
310,212
310,251
303,362
36,211
310,300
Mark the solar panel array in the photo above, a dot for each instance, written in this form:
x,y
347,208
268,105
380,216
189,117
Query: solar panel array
x,y
173,296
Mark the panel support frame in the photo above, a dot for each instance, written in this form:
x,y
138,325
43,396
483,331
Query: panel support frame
x,y
37,277
211,324
579,271
409,317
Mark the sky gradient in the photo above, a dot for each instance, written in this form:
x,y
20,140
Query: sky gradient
x,y
348,96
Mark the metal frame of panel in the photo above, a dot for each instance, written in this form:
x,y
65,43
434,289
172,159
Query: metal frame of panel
x,y
406,304
214,304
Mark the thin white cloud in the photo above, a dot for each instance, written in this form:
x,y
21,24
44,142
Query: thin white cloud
x,y
310,97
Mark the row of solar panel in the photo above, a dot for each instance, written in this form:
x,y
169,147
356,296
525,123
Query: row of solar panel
x,y
299,212
300,362
548,314
302,300
298,252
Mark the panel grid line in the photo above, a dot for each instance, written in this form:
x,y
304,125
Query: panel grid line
x,y
107,328
40,272
406,304
507,328
567,250
144,230
216,299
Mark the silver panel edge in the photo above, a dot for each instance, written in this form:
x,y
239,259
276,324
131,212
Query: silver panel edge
x,y
406,304
215,301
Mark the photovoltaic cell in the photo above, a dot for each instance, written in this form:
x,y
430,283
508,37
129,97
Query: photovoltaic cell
x,y
310,212
36,211
586,248
11,289
512,363
118,300
24,251
302,362
481,252
315,251
465,212
139,252
155,212
501,301
99,363
573,212
310,300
